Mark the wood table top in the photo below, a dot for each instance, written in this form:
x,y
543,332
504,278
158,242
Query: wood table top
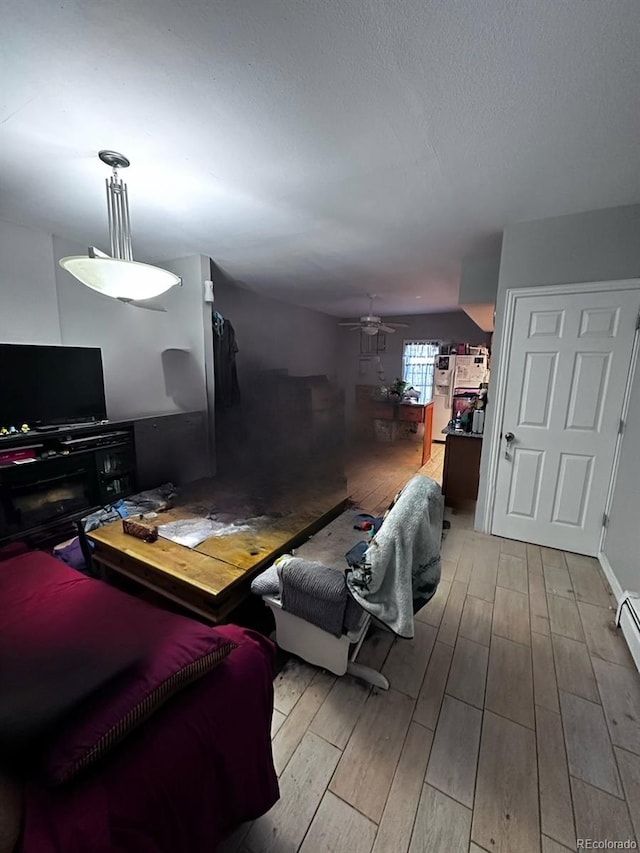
x,y
220,562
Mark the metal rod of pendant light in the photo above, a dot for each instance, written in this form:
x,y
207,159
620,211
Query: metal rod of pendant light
x,y
117,189
118,199
127,223
118,275
110,216
118,208
116,218
121,235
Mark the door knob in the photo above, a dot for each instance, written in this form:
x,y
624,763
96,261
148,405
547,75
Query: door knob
x,y
508,437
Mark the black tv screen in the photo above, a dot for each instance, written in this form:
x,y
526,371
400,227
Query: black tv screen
x,y
42,385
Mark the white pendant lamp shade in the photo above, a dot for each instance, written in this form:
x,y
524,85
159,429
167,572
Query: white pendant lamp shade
x,y
118,275
120,279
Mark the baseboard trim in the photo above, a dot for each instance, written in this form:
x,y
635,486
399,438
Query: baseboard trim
x,y
614,583
627,625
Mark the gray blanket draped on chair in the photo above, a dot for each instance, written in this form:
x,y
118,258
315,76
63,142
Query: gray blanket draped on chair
x,y
400,570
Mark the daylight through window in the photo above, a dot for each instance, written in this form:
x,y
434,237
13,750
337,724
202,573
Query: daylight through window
x,y
418,361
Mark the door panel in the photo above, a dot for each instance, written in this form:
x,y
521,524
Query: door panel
x,y
589,387
573,488
567,373
546,323
599,323
537,389
525,483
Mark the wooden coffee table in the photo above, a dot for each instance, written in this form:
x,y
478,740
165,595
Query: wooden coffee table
x,y
213,578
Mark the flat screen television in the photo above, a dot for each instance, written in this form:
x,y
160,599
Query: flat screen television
x,y
49,385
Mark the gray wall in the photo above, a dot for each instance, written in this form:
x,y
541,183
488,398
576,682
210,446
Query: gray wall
x,y
479,279
260,439
602,245
453,327
28,300
622,544
153,361
273,335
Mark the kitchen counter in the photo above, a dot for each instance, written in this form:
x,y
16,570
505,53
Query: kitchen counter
x,y
391,420
461,433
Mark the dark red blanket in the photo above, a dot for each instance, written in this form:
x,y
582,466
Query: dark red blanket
x,y
196,768
199,767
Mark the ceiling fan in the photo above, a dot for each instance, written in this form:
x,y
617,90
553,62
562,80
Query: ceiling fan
x,y
370,324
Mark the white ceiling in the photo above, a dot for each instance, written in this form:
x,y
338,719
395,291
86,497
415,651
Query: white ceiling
x,y
320,149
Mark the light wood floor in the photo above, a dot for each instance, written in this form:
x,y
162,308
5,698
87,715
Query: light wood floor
x,y
512,723
377,472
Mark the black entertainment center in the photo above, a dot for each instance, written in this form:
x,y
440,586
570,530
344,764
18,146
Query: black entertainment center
x,y
59,457
71,460
54,478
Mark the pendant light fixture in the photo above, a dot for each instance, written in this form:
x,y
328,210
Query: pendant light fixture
x,y
118,275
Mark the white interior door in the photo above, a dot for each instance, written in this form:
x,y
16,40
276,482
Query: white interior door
x,y
566,377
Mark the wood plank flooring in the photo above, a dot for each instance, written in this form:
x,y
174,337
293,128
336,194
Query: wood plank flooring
x,y
512,724
377,472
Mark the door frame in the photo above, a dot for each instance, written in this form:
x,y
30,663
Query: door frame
x,y
513,294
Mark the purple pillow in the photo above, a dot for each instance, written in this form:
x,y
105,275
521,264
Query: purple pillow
x,y
87,660
107,717
72,555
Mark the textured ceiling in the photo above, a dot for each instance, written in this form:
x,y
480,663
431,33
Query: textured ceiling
x,y
320,149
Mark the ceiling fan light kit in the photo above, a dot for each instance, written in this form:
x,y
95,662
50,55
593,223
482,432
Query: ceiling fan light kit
x,y
118,275
370,324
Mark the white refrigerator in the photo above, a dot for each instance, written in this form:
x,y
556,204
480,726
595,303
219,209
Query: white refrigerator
x,y
443,377
470,371
451,372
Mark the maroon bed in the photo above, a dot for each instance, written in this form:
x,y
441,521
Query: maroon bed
x,y
130,729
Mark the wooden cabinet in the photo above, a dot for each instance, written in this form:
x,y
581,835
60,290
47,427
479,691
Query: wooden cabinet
x,y
172,447
411,413
399,419
428,433
461,473
408,416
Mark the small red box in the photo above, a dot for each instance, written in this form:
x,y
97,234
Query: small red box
x,y
7,456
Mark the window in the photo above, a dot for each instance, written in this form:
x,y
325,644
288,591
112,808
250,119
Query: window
x,y
418,362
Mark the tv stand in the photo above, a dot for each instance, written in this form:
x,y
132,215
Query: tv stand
x,y
53,476
152,449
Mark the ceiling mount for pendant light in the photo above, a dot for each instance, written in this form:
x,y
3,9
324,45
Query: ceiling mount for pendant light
x,y
118,275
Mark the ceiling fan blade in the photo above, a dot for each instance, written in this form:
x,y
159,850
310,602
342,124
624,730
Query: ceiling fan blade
x,y
400,325
386,329
354,325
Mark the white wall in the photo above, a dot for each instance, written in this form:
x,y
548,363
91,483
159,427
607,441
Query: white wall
x,y
602,245
452,326
28,300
